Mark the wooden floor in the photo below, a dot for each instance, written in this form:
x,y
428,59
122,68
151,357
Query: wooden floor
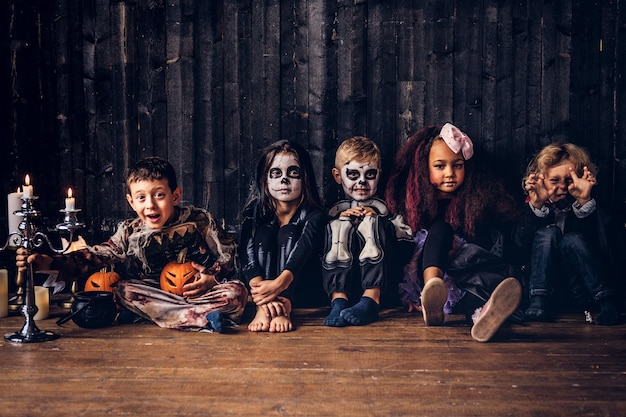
x,y
394,367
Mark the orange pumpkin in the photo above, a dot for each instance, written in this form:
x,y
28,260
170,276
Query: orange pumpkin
x,y
178,273
102,280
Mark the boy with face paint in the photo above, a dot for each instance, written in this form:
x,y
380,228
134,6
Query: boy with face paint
x,y
357,238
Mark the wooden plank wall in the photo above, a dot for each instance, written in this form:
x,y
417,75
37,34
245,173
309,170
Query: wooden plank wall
x,y
91,85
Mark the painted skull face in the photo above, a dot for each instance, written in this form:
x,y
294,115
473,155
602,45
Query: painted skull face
x,y
284,179
359,180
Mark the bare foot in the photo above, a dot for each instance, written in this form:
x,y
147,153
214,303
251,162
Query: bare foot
x,y
281,324
260,322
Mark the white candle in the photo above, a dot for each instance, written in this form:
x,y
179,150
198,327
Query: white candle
x,y
27,189
70,202
42,301
4,293
14,203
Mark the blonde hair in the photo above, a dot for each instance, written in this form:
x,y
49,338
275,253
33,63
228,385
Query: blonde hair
x,y
357,148
558,153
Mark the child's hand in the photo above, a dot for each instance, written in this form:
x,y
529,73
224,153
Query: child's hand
x,y
359,212
22,259
264,291
580,188
538,192
201,285
279,307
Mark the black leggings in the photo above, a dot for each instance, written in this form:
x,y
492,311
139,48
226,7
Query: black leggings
x,y
274,245
437,246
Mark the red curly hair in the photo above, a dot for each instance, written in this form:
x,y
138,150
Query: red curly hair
x,y
410,193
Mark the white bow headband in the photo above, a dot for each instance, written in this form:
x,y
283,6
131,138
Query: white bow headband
x,y
457,140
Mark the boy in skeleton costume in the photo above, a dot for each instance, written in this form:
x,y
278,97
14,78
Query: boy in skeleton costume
x,y
357,238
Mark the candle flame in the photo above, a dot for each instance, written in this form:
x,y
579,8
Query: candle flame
x,y
27,180
69,193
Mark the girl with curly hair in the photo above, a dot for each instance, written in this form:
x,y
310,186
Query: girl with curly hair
x,y
461,215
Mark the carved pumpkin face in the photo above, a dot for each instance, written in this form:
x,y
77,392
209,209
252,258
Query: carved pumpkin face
x,y
175,275
102,281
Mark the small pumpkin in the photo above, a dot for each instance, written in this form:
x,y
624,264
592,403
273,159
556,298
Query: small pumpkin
x,y
102,280
178,273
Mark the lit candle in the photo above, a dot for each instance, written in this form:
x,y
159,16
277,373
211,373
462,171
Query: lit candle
x,y
27,189
70,202
4,293
42,301
14,203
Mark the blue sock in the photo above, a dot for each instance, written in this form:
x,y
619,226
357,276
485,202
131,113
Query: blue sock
x,y
362,313
334,319
216,321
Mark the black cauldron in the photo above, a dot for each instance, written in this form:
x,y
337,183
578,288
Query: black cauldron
x,y
91,309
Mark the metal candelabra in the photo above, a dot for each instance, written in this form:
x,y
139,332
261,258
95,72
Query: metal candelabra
x,y
31,239
69,224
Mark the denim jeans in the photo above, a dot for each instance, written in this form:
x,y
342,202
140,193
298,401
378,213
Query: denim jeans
x,y
555,254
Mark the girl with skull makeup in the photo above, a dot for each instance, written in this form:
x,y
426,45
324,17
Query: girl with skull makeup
x,y
464,220
281,235
360,237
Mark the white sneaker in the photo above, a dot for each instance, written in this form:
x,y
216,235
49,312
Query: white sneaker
x,y
434,296
502,303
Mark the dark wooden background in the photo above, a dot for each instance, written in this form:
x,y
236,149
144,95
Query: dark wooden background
x,y
91,85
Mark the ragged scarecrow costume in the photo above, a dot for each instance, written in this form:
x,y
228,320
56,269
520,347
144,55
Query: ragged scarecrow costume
x,y
147,251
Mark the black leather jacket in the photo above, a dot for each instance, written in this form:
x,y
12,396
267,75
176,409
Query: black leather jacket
x,y
266,249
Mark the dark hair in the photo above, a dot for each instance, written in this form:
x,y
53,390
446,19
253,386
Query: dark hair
x,y
410,193
259,194
152,168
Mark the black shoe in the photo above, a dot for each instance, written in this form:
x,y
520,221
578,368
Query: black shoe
x,y
128,317
609,313
537,309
